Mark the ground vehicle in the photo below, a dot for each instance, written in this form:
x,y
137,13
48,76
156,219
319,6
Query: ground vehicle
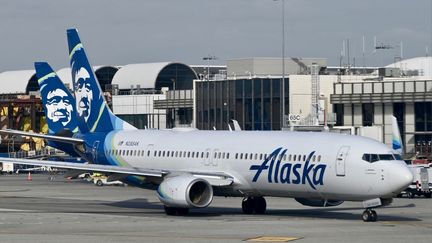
x,y
422,182
7,167
100,180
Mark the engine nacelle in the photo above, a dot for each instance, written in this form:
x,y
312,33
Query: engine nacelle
x,y
185,191
318,202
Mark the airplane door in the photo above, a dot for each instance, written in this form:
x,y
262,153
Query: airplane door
x,y
341,160
95,150
215,157
207,157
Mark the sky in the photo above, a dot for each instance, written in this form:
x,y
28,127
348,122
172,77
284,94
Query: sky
x,y
135,31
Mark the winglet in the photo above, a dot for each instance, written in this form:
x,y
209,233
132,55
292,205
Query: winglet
x,y
396,137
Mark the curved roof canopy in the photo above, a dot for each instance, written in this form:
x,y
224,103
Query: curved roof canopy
x,y
423,65
155,76
16,81
104,75
145,75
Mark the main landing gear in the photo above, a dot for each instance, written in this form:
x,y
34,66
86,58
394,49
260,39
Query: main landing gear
x,y
369,215
254,205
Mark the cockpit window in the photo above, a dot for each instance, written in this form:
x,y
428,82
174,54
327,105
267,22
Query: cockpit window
x,y
371,158
386,157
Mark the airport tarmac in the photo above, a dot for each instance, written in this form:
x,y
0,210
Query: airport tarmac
x,y
59,210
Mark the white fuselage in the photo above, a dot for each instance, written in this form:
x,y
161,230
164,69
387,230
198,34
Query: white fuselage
x,y
335,169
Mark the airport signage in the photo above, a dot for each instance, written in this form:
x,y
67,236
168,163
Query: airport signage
x,y
293,117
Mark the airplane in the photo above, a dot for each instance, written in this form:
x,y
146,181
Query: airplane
x,y
188,167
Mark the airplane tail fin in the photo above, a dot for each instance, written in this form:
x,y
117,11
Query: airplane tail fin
x,y
397,144
94,115
58,102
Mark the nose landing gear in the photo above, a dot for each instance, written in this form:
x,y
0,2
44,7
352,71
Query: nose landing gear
x,y
369,215
254,205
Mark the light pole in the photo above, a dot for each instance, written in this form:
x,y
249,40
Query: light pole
x,y
283,64
208,59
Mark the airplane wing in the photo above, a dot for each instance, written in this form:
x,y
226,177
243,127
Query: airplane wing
x,y
45,136
215,179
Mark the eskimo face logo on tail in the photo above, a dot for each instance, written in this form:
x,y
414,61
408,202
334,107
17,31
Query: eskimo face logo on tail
x,y
289,172
83,93
59,106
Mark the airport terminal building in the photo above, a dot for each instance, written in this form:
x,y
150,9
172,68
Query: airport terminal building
x,y
170,94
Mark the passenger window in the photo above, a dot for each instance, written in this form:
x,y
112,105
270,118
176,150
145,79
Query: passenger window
x,y
188,154
202,154
284,157
241,155
236,156
261,156
227,155
207,155
295,157
314,158
304,157
289,157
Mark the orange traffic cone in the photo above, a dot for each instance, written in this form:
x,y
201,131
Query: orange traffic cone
x,y
29,176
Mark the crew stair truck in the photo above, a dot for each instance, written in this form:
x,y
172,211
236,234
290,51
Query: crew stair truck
x,y
422,182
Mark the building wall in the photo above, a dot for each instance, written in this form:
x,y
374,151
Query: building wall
x,y
140,108
255,103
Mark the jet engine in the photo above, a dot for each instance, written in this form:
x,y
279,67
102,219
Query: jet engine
x,y
318,202
185,191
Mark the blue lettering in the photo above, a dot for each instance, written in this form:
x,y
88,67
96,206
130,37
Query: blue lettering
x,y
318,178
307,170
290,173
297,179
263,166
285,173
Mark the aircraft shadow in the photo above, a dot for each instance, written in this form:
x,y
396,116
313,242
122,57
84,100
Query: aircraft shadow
x,y
315,213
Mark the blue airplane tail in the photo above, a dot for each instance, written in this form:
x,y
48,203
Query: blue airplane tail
x,y
94,115
59,106
396,137
58,102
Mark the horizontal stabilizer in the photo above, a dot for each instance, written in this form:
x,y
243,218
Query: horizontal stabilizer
x,y
44,136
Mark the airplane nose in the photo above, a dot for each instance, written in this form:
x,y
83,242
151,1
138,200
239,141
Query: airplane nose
x,y
400,177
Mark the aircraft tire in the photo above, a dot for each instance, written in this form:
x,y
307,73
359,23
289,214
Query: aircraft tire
x,y
247,205
374,216
260,205
369,215
428,194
